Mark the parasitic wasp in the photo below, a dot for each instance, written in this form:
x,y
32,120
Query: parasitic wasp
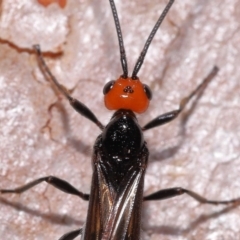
x,y
120,153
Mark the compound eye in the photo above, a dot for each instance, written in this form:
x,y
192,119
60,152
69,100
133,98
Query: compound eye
x,y
148,91
108,86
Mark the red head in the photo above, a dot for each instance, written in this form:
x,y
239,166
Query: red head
x,y
127,93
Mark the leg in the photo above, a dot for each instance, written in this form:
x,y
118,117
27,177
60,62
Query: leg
x,y
77,105
167,117
71,235
56,182
173,192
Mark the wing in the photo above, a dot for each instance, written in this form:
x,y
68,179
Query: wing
x,y
123,220
114,213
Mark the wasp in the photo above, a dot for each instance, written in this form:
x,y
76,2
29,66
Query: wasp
x,y
120,153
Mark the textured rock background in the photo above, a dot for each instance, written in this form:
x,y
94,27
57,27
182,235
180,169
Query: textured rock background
x,y
82,49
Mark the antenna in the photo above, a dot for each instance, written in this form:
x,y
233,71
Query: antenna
x,y
149,40
123,57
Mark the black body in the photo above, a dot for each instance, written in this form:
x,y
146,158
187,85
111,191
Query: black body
x,y
119,162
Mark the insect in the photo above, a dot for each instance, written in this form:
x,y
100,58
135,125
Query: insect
x,y
118,181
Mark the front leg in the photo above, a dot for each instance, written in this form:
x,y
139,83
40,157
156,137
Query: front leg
x,y
169,116
77,105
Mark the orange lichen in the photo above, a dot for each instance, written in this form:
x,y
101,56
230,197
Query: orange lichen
x,y
45,3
